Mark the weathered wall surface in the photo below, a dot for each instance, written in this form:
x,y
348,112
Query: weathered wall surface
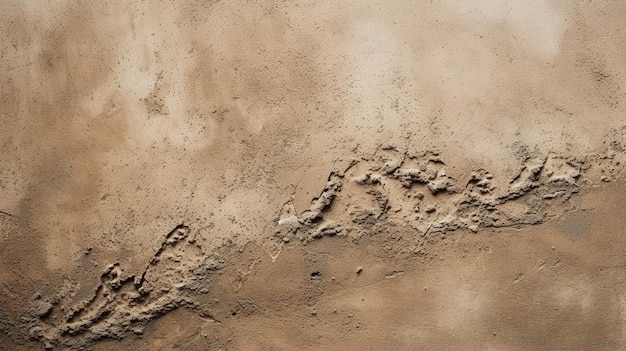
x,y
144,145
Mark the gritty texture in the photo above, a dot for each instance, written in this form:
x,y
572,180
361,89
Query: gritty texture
x,y
393,188
278,174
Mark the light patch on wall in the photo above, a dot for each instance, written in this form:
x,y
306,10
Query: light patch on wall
x,y
575,295
372,53
537,23
461,307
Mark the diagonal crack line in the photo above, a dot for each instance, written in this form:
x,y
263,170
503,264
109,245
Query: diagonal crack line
x,y
165,243
9,214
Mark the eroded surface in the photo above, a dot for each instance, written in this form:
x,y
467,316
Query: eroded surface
x,y
160,163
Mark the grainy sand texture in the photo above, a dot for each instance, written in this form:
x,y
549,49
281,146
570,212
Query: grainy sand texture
x,y
312,175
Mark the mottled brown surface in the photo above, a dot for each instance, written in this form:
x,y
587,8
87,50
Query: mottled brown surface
x,y
122,121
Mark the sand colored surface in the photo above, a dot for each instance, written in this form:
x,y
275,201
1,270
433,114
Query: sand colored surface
x,y
312,175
